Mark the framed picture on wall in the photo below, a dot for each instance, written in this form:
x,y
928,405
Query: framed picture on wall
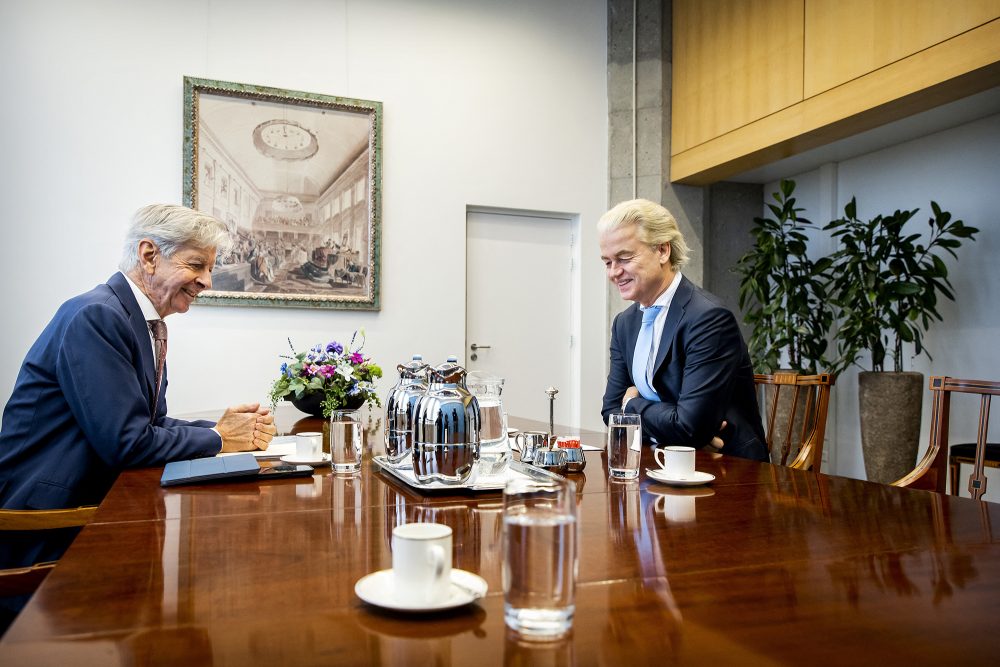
x,y
297,178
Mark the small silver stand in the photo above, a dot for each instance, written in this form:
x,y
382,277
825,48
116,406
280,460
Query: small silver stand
x,y
551,392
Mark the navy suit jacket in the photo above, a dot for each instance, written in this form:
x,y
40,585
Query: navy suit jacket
x,y
702,375
80,410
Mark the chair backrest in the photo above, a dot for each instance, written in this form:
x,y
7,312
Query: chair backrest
x,y
23,580
795,408
930,471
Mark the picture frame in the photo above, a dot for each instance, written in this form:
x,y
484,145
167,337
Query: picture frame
x,y
297,179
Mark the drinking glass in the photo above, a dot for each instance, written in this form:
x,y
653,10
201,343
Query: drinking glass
x,y
624,445
346,442
539,555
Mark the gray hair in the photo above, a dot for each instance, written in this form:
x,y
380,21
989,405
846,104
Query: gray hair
x,y
171,228
655,226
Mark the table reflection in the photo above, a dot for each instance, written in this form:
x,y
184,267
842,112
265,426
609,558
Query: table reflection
x,y
521,652
428,641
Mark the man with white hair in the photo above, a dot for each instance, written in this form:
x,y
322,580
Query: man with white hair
x,y
89,399
677,356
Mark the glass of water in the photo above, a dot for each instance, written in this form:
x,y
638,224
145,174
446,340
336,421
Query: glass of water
x,y
539,556
624,445
345,441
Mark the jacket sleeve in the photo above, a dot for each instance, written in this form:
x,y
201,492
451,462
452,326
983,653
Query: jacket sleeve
x,y
708,359
619,375
100,372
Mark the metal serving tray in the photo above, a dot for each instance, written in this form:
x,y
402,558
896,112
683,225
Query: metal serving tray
x,y
477,481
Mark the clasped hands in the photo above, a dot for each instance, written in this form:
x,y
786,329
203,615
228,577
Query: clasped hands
x,y
246,427
715,445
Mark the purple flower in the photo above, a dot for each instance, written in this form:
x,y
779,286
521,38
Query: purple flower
x,y
357,359
334,347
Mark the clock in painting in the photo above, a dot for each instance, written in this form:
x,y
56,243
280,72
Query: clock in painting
x,y
284,140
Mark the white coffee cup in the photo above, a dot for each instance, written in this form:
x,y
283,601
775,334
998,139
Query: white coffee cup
x,y
675,461
308,445
313,489
421,562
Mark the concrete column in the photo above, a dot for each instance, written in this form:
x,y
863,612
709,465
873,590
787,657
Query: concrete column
x,y
648,158
716,220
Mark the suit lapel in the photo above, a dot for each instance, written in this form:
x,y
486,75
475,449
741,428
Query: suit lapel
x,y
674,316
123,291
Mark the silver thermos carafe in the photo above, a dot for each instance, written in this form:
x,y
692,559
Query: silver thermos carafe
x,y
400,408
446,428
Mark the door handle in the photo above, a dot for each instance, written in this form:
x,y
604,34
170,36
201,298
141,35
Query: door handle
x,y
475,347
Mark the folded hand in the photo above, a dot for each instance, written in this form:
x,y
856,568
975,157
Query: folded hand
x,y
716,443
246,427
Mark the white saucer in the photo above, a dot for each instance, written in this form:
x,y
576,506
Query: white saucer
x,y
377,589
306,460
697,478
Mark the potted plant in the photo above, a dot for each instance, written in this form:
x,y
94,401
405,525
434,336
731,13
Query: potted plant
x,y
326,378
886,282
784,293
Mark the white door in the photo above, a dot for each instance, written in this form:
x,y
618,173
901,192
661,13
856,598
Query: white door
x,y
519,309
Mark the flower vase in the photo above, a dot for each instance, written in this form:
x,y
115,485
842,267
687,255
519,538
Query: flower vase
x,y
311,403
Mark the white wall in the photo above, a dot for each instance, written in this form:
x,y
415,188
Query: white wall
x,y
486,103
958,168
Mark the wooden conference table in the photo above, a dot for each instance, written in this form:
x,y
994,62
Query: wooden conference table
x,y
765,566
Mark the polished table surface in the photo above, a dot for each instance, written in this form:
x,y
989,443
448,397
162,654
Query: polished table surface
x,y
776,566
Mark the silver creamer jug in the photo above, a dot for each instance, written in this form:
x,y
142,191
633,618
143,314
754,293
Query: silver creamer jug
x,y
400,409
446,428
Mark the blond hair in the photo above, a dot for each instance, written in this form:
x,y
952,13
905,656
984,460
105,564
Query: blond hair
x,y
654,226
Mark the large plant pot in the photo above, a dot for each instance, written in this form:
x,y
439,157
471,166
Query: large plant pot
x,y
890,405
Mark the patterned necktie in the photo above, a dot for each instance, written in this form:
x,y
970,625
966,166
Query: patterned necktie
x,y
643,352
159,330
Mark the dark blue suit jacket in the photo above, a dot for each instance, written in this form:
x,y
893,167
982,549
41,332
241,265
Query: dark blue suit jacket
x,y
702,375
80,410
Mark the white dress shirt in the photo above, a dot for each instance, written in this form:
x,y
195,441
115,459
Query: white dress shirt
x,y
147,308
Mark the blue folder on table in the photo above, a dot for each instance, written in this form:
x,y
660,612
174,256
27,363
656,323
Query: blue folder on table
x,y
208,469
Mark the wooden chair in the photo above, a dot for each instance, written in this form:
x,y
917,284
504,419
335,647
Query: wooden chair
x,y
24,580
805,395
930,471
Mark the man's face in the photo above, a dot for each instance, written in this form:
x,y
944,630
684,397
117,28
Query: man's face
x,y
641,272
177,280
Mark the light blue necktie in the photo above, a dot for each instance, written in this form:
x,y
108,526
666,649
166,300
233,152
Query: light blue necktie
x,y
643,351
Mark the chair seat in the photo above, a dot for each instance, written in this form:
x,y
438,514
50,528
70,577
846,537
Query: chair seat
x,y
967,450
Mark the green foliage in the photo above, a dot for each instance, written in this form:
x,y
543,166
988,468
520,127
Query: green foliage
x,y
783,292
886,281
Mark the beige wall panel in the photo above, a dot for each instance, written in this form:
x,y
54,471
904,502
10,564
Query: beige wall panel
x,y
958,67
845,39
735,61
